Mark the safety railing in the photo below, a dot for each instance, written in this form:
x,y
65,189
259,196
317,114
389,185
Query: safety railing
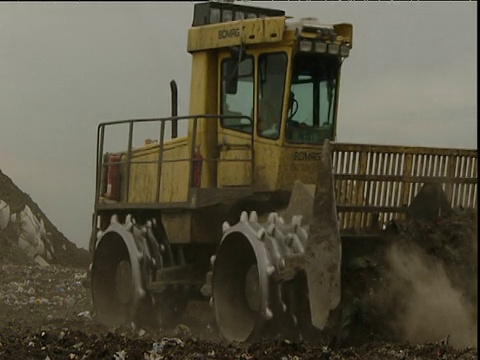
x,y
375,184
128,161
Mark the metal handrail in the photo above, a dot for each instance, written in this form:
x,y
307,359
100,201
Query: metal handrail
x,y
160,161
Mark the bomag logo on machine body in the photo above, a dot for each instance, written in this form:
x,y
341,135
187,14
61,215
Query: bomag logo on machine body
x,y
306,155
226,34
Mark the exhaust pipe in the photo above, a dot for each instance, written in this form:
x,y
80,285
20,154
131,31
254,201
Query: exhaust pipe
x,y
174,106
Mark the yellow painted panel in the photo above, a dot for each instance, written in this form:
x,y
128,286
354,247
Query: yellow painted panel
x,y
345,31
204,101
248,31
267,162
234,145
298,163
174,176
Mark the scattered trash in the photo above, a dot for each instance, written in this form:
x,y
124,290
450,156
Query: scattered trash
x,y
40,261
182,331
442,346
159,347
61,335
86,355
78,345
120,355
196,356
444,341
85,315
246,356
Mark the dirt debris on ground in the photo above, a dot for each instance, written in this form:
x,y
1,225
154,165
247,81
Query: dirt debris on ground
x,y
397,302
50,317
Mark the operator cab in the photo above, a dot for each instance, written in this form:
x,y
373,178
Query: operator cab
x,y
278,86
302,107
287,86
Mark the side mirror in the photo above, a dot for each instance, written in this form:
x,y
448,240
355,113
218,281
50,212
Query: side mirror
x,y
237,53
231,78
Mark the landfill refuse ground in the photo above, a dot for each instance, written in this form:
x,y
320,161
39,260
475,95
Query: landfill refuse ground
x,y
413,297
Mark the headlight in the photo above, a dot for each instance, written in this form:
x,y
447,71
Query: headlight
x,y
239,15
344,50
215,16
227,15
320,47
333,49
305,45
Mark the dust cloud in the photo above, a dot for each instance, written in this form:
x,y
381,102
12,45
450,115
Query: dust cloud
x,y
429,306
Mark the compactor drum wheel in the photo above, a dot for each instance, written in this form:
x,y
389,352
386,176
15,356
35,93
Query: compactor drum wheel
x,y
118,277
116,289
276,273
240,284
125,264
252,277
124,281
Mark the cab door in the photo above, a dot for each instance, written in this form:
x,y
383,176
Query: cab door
x,y
235,128
269,130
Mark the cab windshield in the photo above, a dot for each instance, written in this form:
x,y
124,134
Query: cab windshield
x,y
311,113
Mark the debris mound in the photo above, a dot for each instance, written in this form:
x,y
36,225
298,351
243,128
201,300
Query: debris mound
x,y
27,236
418,285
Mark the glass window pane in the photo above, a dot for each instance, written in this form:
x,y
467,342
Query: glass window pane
x,y
310,118
237,100
271,83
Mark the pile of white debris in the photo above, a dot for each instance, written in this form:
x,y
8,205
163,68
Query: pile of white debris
x,y
24,227
33,239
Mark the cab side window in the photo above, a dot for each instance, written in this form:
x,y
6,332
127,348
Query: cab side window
x,y
237,94
271,83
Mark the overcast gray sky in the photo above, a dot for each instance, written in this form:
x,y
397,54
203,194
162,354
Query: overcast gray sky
x,y
411,79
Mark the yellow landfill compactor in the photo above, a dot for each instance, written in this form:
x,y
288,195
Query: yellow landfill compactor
x,y
250,210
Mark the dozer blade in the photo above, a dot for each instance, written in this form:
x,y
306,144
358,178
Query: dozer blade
x,y
301,202
323,249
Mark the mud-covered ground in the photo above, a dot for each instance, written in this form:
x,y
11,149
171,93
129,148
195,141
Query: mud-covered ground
x,y
415,297
46,313
399,303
